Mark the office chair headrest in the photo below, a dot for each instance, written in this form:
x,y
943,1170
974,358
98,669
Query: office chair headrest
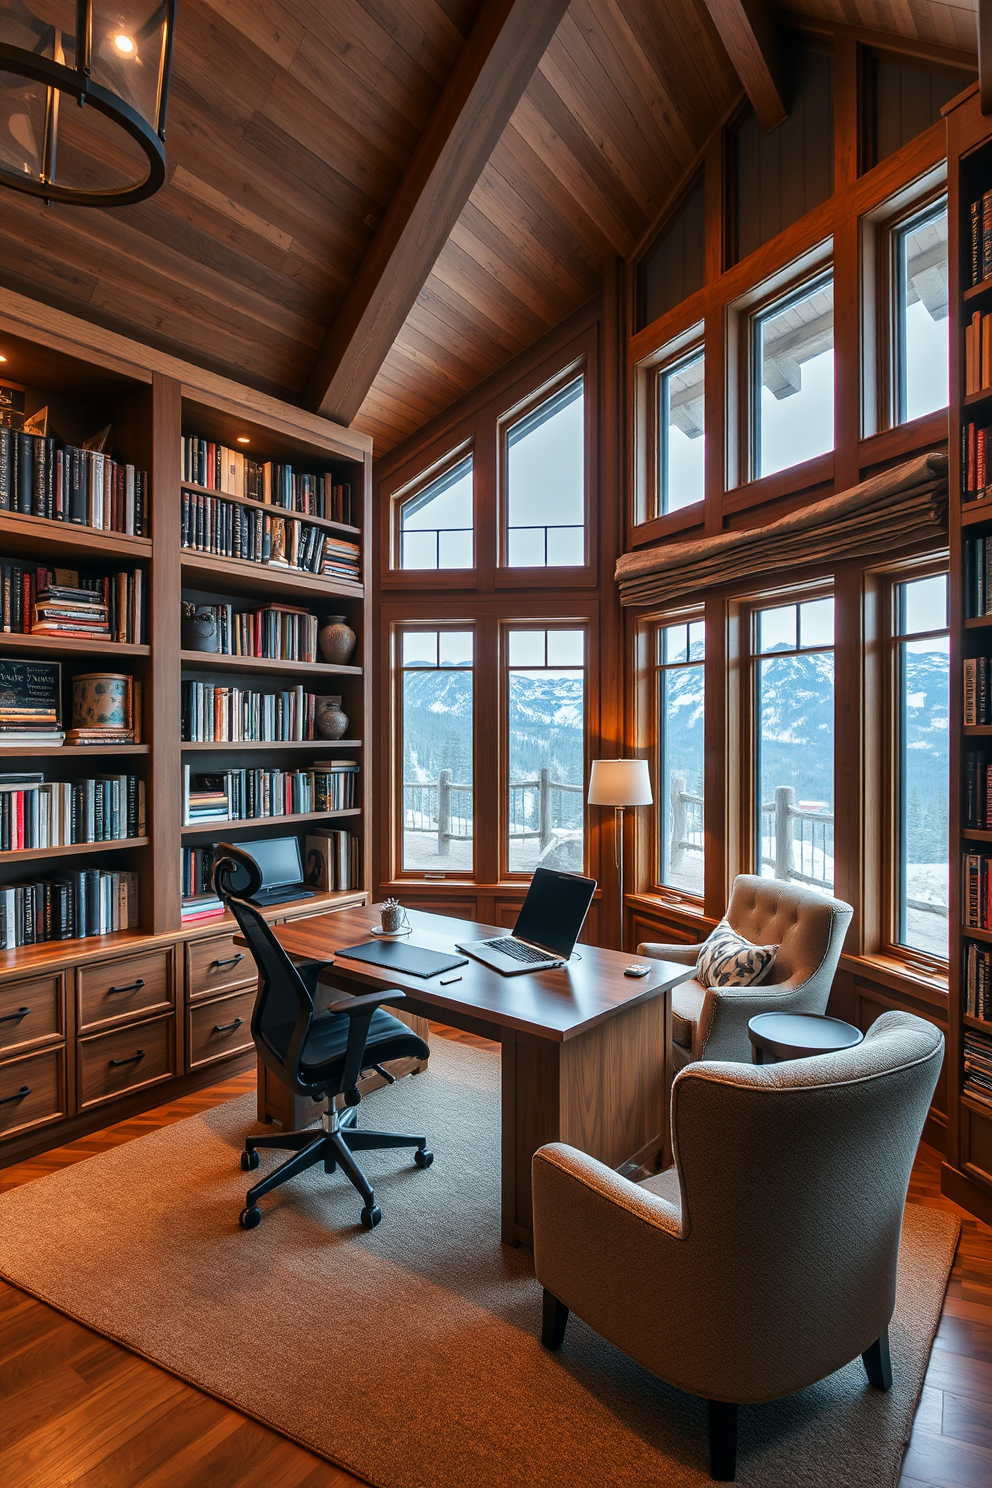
x,y
227,862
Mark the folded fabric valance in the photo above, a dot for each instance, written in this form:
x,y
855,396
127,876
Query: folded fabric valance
x,y
901,506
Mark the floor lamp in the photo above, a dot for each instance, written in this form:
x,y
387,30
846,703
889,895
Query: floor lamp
x,y
619,783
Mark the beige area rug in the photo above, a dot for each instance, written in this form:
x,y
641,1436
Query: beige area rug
x,y
409,1354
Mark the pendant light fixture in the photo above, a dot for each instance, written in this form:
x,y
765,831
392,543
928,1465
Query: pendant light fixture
x,y
84,87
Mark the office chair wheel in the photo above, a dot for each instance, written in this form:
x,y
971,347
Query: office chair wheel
x,y
249,1161
371,1217
423,1157
250,1218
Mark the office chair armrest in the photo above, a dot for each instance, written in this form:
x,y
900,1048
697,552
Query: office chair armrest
x,y
369,1001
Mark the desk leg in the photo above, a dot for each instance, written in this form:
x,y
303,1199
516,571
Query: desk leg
x,y
605,1092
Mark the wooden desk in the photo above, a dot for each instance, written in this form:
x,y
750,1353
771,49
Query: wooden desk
x,y
586,1051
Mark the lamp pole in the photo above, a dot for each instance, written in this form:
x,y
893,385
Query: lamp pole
x,y
619,783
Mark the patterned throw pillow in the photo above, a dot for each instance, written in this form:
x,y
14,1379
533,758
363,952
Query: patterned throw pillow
x,y
728,960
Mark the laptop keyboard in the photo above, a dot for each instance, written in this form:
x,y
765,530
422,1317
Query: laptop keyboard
x,y
518,951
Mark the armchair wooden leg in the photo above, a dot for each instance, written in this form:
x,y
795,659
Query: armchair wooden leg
x,y
553,1322
723,1440
878,1365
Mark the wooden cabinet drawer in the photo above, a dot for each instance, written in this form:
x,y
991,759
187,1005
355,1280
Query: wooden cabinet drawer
x,y
31,1012
216,964
32,1091
126,1059
219,1028
127,987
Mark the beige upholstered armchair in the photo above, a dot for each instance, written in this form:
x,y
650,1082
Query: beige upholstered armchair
x,y
808,928
766,1257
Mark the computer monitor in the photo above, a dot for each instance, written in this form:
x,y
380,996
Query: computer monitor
x,y
278,860
554,910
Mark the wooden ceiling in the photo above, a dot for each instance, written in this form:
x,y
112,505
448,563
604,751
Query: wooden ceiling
x,y
291,125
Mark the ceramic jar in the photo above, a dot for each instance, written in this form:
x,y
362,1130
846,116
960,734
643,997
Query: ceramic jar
x,y
101,700
332,722
199,631
337,640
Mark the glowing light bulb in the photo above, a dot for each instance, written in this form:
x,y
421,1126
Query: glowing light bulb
x,y
243,439
124,44
3,358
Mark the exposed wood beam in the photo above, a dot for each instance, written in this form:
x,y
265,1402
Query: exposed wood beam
x,y
497,62
985,54
749,32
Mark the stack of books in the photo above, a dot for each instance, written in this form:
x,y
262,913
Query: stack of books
x,y
978,353
275,632
224,714
215,467
977,703
70,906
241,794
59,813
978,790
978,980
41,478
207,798
30,704
63,610
976,463
976,884
981,239
35,600
978,1066
342,560
199,902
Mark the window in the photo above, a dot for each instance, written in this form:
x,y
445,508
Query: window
x,y
545,482
680,671
680,433
435,522
546,689
921,325
792,392
436,749
922,711
793,678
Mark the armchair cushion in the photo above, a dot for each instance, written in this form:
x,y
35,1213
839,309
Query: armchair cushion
x,y
728,959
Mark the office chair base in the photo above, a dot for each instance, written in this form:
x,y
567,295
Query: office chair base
x,y
371,1217
249,1218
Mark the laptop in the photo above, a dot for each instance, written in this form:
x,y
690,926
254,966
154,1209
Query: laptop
x,y
281,867
547,927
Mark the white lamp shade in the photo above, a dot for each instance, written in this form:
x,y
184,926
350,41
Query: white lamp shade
x,y
622,782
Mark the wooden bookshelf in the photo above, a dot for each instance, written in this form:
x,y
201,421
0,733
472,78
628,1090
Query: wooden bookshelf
x,y
149,410
344,529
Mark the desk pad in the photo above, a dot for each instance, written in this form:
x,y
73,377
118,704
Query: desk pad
x,y
409,959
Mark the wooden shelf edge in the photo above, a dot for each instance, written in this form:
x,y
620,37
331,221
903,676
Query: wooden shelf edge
x,y
77,751
32,854
213,827
983,1025
311,744
53,645
264,576
101,541
219,660
976,834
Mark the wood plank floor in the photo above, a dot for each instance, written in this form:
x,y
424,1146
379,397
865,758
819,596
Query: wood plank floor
x,y
81,1410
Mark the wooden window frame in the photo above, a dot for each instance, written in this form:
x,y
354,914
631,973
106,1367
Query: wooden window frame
x,y
646,434
541,385
587,625
887,824
650,740
397,630
460,578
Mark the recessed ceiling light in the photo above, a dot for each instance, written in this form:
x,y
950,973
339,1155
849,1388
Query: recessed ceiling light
x,y
124,44
3,358
243,439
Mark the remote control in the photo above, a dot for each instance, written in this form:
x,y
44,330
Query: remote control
x,y
637,970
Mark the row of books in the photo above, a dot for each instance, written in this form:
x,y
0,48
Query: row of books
x,y
332,861
41,478
978,1066
977,980
233,473
976,884
274,632
224,714
67,906
981,239
246,794
978,353
976,462
977,700
58,813
977,554
35,600
199,902
229,530
978,790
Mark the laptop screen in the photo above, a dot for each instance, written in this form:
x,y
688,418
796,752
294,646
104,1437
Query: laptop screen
x,y
554,911
278,859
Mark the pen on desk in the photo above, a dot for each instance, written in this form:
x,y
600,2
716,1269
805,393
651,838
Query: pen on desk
x,y
446,981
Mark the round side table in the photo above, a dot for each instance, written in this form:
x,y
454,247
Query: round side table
x,y
778,1036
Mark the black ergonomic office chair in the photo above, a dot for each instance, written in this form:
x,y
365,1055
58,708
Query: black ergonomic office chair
x,y
318,1055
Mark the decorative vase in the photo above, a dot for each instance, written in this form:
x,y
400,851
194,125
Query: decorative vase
x,y
199,631
337,640
332,723
101,700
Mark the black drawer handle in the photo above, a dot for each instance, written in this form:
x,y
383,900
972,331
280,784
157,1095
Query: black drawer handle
x,y
231,961
13,1017
17,1095
131,987
133,1059
228,1027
